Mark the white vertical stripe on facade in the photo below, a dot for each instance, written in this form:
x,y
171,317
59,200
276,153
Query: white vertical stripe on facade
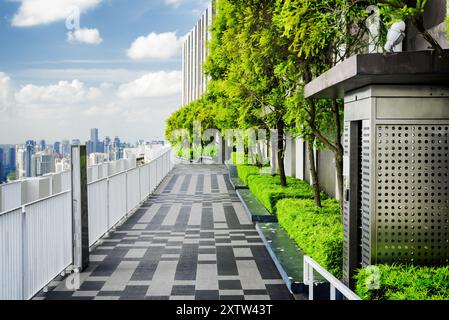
x,y
194,57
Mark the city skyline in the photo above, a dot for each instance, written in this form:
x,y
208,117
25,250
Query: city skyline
x,y
120,71
38,157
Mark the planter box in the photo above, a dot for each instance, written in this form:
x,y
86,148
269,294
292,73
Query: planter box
x,y
289,260
236,182
253,208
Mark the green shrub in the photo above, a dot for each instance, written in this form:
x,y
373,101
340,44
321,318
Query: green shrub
x,y
207,151
403,282
317,231
244,171
269,191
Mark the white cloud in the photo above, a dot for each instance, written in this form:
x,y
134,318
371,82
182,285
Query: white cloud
x,y
37,12
68,109
5,90
103,110
89,75
156,46
88,36
156,84
62,93
174,3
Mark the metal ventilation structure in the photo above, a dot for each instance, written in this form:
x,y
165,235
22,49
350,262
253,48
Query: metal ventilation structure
x,y
396,162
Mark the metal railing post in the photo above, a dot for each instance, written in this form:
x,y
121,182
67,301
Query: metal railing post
x,y
24,254
310,282
332,293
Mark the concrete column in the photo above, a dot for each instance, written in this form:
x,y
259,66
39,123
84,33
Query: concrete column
x,y
300,159
80,213
290,156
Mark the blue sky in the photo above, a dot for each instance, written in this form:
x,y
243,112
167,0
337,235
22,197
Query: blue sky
x,y
119,71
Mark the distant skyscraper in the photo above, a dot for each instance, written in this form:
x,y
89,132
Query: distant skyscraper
x,y
29,151
65,148
57,147
94,145
118,150
76,142
107,148
20,162
42,164
42,145
94,134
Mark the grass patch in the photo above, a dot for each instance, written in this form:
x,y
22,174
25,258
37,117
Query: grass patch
x,y
403,282
268,190
317,231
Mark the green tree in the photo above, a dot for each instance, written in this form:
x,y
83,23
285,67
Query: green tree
x,y
12,176
245,52
322,34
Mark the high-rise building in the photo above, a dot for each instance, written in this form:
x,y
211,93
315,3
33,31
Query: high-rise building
x,y
107,148
93,140
65,148
76,142
42,145
57,148
194,53
117,149
42,164
20,162
7,161
29,151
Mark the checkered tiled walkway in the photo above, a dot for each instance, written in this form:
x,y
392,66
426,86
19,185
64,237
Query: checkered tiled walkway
x,y
190,240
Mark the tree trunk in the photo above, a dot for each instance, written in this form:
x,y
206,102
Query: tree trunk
x,y
281,153
313,173
338,153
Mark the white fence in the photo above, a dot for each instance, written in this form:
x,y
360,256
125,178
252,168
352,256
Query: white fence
x,y
36,238
310,266
35,245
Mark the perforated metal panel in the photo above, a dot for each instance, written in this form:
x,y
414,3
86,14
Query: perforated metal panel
x,y
365,196
412,213
346,212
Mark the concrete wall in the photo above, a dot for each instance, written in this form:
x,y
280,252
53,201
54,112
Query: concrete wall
x,y
297,165
326,172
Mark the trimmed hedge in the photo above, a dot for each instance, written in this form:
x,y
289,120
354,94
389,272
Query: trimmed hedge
x,y
244,171
403,282
208,151
317,231
268,190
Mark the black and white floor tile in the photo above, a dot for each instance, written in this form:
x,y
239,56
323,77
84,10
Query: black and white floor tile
x,y
191,240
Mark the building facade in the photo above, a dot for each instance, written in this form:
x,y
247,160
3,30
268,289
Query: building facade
x,y
194,53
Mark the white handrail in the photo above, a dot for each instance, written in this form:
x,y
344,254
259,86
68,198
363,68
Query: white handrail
x,y
36,237
311,265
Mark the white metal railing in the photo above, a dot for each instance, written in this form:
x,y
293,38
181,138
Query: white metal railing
x,y
35,245
111,199
310,266
36,242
